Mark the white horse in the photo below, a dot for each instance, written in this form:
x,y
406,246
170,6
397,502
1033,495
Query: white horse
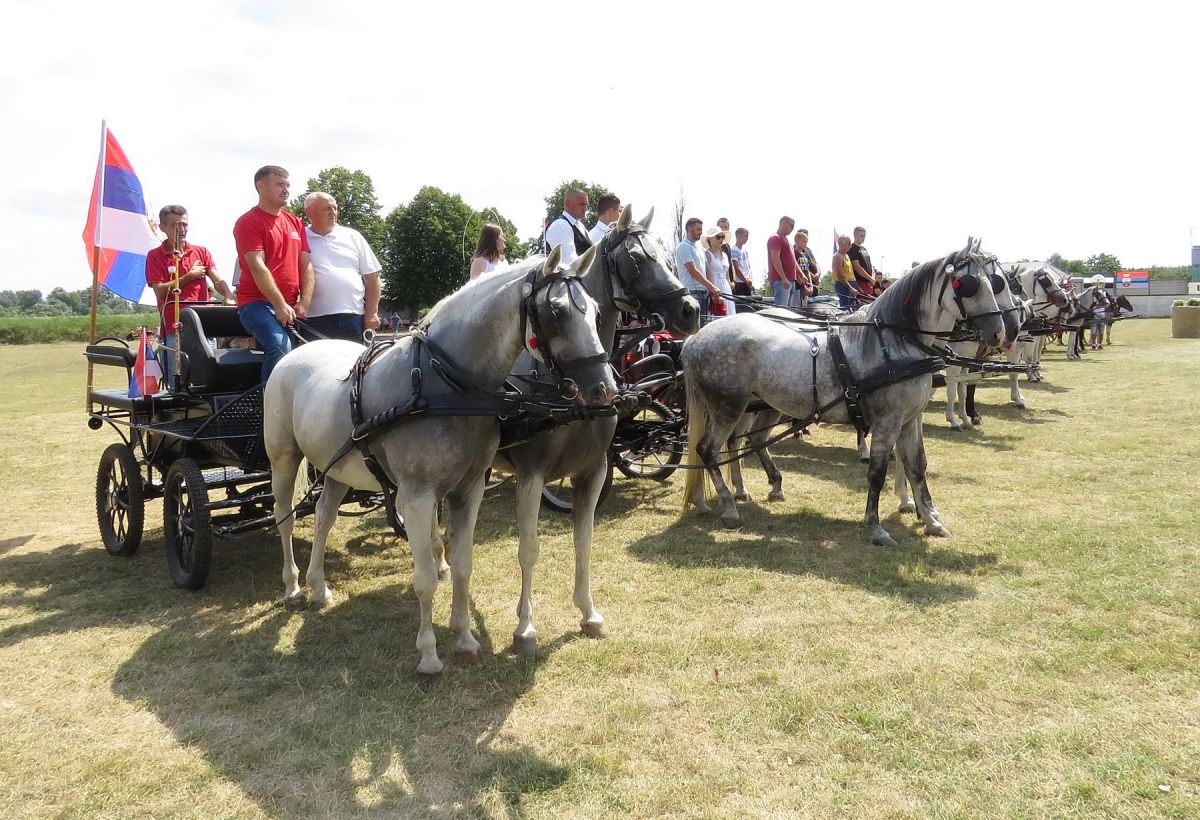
x,y
1048,300
748,357
960,379
442,383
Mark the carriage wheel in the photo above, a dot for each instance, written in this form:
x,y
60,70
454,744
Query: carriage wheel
x,y
659,452
557,495
120,503
494,478
187,524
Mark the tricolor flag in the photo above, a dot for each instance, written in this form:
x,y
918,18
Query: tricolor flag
x,y
146,372
835,239
118,232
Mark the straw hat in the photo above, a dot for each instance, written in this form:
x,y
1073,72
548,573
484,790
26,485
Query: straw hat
x,y
714,233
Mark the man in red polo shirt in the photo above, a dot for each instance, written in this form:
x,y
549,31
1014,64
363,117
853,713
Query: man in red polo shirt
x,y
781,263
195,265
277,278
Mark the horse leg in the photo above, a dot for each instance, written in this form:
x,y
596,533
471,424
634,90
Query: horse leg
x,y
419,506
320,595
970,408
883,440
746,422
952,397
440,539
587,487
864,451
529,500
758,437
900,485
707,448
462,508
283,485
911,445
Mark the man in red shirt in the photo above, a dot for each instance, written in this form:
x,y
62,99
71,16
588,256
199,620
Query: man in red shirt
x,y
277,278
195,266
781,264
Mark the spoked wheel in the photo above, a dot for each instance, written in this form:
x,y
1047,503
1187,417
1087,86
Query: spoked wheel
x,y
187,524
654,446
120,504
558,495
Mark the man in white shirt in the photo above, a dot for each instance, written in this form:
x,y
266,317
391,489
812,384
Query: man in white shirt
x,y
608,208
741,273
690,267
345,300
568,231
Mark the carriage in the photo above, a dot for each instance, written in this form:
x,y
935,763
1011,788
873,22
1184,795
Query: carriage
x,y
198,446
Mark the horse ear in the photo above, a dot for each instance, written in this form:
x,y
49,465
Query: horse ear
x,y
648,218
551,263
625,219
584,261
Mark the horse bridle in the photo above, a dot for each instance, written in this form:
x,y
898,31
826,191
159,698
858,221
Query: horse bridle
x,y
631,299
966,284
537,316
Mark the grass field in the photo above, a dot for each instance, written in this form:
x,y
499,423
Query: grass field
x,y
1043,661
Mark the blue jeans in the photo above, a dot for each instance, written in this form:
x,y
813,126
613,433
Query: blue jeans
x,y
701,296
844,294
259,319
166,359
783,292
348,326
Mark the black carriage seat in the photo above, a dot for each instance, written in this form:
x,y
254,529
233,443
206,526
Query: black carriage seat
x,y
212,369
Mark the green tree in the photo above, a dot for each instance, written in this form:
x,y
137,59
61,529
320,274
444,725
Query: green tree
x,y
428,244
1103,263
354,192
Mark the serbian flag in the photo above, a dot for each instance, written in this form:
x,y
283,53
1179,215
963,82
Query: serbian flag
x,y
118,232
146,372
835,239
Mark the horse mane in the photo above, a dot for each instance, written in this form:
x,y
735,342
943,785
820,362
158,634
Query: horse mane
x,y
900,303
481,289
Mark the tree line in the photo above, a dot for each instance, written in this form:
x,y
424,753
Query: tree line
x,y
61,302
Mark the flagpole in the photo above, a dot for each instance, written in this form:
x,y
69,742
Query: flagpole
x,y
96,254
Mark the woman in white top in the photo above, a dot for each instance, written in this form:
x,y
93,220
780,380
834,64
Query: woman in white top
x,y
717,264
489,250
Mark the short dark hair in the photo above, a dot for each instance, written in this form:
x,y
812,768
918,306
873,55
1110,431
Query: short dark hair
x,y
607,201
860,228
266,171
167,210
802,230
693,221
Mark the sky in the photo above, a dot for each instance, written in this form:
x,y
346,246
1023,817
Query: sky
x,y
1047,127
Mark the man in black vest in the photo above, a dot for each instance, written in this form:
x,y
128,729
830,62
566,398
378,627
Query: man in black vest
x,y
568,231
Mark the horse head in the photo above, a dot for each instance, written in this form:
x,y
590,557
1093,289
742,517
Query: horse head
x,y
561,332
974,281
640,280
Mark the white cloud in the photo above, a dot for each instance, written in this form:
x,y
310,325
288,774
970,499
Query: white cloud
x,y
1041,127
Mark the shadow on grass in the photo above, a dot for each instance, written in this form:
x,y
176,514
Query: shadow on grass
x,y
322,712
10,544
306,713
809,543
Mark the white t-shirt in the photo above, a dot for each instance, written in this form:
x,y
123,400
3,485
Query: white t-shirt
x,y
340,260
597,233
741,255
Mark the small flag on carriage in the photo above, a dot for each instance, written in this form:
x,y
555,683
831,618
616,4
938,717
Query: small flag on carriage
x,y
146,372
118,232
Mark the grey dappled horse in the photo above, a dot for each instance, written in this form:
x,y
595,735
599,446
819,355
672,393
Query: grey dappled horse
x,y
630,273
478,331
1048,300
736,360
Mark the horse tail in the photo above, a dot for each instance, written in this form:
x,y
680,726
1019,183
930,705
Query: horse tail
x,y
697,419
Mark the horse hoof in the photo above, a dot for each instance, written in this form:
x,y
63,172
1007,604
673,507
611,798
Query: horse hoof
x,y
525,645
882,539
296,603
742,498
426,682
1020,405
430,666
319,602
864,459
976,420
444,573
701,507
775,495
731,522
936,530
594,629
907,507
465,658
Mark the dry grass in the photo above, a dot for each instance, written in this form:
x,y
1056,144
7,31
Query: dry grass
x,y
1042,661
